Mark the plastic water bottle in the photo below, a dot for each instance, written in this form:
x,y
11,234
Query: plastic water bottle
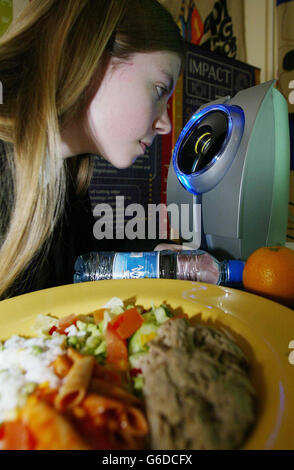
x,y
192,265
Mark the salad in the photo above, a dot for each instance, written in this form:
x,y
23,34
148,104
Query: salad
x,y
115,334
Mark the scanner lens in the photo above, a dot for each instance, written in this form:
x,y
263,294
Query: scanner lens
x,y
203,143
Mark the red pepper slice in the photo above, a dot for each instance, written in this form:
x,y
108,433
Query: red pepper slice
x,y
51,331
135,372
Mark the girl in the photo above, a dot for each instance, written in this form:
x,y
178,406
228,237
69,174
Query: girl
x,y
79,77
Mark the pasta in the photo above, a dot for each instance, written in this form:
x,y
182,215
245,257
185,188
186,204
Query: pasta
x,y
90,402
76,383
124,426
107,416
61,365
106,388
50,429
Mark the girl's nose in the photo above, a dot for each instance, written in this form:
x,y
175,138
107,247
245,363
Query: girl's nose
x,y
162,124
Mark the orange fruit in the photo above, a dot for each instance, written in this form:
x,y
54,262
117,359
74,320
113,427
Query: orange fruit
x,y
269,271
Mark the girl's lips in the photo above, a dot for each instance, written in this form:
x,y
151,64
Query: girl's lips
x,y
143,146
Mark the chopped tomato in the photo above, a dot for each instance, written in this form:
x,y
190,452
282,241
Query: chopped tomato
x,y
127,323
17,436
65,322
116,349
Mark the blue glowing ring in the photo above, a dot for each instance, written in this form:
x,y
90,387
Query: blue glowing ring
x,y
208,177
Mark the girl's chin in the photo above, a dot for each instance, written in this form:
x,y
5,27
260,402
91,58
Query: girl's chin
x,y
124,161
122,165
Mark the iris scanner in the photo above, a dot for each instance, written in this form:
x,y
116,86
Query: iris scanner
x,y
232,159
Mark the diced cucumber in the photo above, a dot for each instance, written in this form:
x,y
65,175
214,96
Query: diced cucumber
x,y
169,314
138,382
92,343
93,329
72,341
100,326
160,315
81,325
139,340
149,317
101,349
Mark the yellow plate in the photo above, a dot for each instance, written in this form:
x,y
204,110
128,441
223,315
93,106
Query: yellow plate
x,y
262,328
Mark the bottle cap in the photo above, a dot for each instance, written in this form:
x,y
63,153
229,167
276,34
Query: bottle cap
x,y
235,270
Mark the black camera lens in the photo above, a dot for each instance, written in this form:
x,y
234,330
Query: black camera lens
x,y
203,143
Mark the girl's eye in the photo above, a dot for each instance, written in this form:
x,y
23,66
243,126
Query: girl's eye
x,y
161,91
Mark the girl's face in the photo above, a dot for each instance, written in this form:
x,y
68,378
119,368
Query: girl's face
x,y
130,107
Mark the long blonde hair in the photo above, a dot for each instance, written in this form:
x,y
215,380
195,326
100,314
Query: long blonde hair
x,y
49,58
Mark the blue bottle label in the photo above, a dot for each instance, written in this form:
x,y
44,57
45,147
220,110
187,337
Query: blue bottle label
x,y
136,265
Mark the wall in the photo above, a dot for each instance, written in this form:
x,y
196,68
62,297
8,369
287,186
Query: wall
x,y
260,33
18,5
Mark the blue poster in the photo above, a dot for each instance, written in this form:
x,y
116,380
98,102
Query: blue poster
x,y
283,1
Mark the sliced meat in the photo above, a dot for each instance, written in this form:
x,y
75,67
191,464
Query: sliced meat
x,y
196,387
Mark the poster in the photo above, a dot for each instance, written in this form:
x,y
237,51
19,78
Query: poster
x,y
122,190
216,25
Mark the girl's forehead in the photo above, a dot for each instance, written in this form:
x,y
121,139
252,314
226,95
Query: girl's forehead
x,y
165,61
